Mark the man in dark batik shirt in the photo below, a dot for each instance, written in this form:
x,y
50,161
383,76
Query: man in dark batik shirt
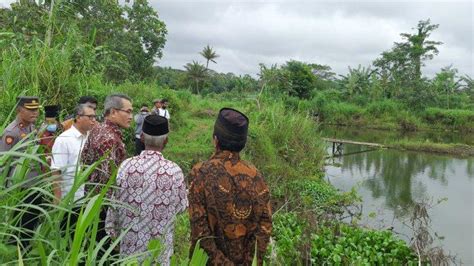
x,y
229,201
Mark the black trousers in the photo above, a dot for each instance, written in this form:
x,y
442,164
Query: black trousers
x,y
139,146
30,219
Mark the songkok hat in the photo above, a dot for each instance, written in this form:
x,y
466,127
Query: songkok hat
x,y
155,125
231,127
28,102
51,111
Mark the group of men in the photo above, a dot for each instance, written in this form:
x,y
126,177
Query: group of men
x,y
228,199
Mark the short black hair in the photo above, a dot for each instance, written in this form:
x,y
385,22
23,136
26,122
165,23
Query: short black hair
x,y
229,145
164,101
87,99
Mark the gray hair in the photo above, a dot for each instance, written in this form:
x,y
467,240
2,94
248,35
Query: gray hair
x,y
114,101
80,110
154,141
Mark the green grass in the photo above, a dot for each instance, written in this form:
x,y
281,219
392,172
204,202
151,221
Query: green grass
x,y
440,148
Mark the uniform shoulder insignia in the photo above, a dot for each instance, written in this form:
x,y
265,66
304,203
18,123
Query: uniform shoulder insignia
x,y
9,140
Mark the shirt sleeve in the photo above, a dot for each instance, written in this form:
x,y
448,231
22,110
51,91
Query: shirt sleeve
x,y
60,154
200,229
112,221
180,189
264,229
7,142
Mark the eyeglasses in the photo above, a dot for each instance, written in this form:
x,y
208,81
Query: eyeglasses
x,y
129,111
91,117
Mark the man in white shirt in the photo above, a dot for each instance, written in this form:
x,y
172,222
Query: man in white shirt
x,y
163,111
67,149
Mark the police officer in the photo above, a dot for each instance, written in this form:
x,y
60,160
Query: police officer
x,y
27,111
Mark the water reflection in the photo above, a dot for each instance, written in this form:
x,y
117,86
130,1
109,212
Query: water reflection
x,y
382,136
395,180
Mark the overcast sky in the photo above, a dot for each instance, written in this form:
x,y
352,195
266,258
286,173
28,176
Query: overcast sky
x,y
336,33
339,34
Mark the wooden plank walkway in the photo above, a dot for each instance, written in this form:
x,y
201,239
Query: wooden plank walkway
x,y
354,142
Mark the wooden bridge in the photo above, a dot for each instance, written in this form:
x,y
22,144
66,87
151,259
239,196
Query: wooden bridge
x,y
337,146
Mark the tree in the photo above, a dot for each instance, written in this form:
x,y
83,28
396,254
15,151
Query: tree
x,y
209,55
405,60
300,79
445,82
197,73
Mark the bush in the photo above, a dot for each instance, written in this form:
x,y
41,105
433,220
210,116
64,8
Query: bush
x,y
341,113
454,118
287,233
346,245
385,107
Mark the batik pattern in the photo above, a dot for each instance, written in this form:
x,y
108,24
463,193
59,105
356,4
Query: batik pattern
x,y
104,139
229,207
154,191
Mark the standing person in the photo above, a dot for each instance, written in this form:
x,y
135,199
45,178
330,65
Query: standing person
x,y
27,112
163,111
88,100
154,187
156,106
105,143
68,147
229,201
139,118
50,129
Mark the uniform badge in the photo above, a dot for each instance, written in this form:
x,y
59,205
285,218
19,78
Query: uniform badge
x,y
9,140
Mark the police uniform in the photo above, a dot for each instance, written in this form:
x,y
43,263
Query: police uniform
x,y
16,130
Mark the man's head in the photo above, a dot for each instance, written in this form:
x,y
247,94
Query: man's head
x,y
84,118
118,110
27,109
144,108
230,130
51,114
89,100
157,103
155,132
164,103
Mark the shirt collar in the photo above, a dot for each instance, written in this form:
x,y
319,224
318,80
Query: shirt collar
x,y
226,155
113,127
148,153
76,133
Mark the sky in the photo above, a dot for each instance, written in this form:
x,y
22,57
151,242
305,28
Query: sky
x,y
335,33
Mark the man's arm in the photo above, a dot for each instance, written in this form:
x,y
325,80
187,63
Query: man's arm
x,y
180,189
199,221
264,228
59,162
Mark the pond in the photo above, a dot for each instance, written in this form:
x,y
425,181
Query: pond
x,y
390,182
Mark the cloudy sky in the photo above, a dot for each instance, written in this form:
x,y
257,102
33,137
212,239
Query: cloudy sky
x,y
336,33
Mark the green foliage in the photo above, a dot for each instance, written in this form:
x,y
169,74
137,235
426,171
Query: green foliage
x,y
209,55
340,113
196,74
346,245
454,118
385,107
288,235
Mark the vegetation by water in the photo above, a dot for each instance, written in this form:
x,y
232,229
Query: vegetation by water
x,y
111,48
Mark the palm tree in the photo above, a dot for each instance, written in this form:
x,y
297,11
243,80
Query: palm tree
x,y
197,73
209,54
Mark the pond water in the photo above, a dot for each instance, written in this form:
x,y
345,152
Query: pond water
x,y
391,181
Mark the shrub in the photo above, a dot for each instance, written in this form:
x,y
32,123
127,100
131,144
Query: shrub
x,y
385,107
347,245
341,113
454,118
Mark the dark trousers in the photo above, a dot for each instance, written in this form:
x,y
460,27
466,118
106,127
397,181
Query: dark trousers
x,y
139,146
30,219
101,233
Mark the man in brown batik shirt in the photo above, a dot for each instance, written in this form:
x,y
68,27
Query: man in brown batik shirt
x,y
229,201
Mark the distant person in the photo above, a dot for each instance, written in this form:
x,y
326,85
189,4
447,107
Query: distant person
x,y
67,149
156,106
229,201
50,129
105,142
139,118
163,111
155,190
88,100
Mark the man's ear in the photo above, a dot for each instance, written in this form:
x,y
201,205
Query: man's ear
x,y
215,141
142,138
